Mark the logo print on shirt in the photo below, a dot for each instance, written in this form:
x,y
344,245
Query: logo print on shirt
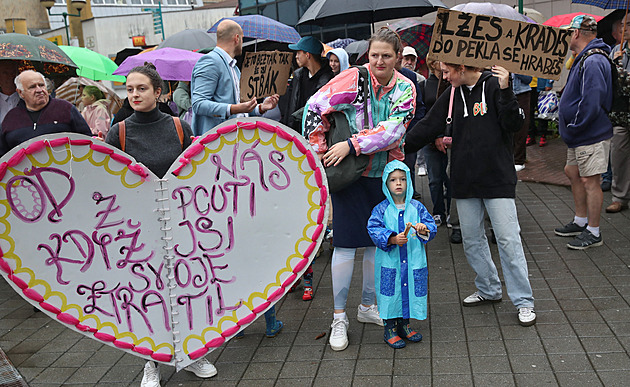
x,y
480,108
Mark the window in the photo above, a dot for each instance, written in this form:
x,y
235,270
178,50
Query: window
x,y
269,10
249,11
303,5
287,13
247,4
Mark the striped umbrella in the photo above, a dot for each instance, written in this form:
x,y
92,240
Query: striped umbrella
x,y
69,91
415,34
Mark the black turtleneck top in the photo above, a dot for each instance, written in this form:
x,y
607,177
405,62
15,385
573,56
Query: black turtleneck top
x,y
151,138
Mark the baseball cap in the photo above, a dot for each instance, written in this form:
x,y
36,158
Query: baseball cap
x,y
409,51
583,22
308,44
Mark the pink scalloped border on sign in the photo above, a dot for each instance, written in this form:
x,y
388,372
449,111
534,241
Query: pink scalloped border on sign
x,y
301,265
32,294
140,171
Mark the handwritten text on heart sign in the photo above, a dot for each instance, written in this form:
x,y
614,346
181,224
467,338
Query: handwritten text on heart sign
x,y
113,243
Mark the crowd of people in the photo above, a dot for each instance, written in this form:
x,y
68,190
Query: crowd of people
x,y
471,127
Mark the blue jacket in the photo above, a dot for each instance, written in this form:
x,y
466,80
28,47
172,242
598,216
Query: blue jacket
x,y
56,117
586,98
212,90
420,108
401,273
520,83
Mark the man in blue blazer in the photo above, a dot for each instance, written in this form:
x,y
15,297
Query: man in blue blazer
x,y
215,83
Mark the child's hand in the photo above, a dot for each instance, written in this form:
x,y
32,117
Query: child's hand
x,y
421,228
398,239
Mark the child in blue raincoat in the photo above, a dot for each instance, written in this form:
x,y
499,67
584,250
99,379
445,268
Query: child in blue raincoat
x,y
401,260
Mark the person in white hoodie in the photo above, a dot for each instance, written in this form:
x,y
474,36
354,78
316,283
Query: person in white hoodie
x,y
338,60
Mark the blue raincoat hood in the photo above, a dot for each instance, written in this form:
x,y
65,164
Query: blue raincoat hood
x,y
391,167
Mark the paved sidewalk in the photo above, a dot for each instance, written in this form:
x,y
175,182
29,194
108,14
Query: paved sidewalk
x,y
582,337
546,164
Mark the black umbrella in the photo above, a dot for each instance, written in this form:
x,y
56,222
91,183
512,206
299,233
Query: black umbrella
x,y
127,52
192,39
365,11
357,50
604,26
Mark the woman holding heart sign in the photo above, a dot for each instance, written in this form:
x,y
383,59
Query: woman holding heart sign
x,y
391,107
154,139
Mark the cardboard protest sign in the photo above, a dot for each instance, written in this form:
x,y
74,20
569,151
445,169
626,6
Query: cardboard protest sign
x,y
265,73
165,269
485,41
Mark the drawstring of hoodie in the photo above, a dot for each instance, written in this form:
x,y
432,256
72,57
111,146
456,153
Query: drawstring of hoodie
x,y
461,90
484,106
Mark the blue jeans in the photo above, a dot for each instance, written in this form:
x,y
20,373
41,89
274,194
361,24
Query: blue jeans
x,y
502,213
437,163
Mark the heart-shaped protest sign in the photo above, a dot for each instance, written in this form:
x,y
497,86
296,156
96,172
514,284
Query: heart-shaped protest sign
x,y
166,269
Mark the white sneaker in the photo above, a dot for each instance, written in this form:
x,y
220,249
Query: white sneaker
x,y
519,167
151,377
339,334
477,299
202,368
526,316
422,170
438,220
370,316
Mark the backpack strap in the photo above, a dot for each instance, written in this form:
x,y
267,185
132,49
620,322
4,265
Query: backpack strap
x,y
121,134
180,131
591,52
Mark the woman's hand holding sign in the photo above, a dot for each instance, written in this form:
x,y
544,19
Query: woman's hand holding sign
x,y
503,75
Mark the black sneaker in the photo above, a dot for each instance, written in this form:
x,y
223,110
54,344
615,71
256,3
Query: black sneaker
x,y
569,229
585,240
456,236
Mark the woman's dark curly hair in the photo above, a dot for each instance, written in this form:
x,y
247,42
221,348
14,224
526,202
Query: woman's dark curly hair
x,y
149,70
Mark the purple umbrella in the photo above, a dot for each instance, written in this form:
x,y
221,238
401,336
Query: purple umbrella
x,y
493,9
172,64
262,27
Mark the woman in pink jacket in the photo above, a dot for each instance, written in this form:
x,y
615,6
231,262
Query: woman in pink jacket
x,y
96,111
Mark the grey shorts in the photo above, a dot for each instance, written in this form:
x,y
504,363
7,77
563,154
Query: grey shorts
x,y
590,159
